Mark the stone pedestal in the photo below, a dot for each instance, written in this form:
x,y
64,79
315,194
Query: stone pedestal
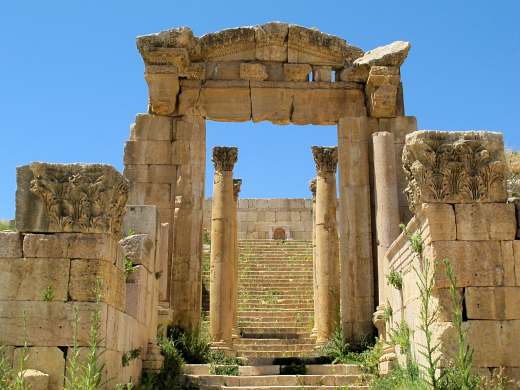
x,y
386,202
327,265
222,249
234,221
357,274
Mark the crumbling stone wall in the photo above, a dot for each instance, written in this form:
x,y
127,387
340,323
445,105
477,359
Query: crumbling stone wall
x,y
458,194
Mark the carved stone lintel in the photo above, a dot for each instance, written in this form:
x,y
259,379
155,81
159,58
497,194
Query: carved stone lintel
x,y
79,198
236,188
224,157
326,158
454,167
312,187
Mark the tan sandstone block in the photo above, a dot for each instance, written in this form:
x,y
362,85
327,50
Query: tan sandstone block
x,y
495,343
162,92
440,220
516,252
160,174
493,303
71,245
10,245
136,292
322,73
327,106
223,70
48,323
230,102
297,72
140,249
253,71
181,152
272,104
149,127
156,194
476,263
485,221
83,277
49,360
271,42
148,152
34,379
29,279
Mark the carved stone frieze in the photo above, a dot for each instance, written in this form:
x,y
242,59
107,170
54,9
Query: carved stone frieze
x,y
454,167
237,183
224,157
86,198
326,158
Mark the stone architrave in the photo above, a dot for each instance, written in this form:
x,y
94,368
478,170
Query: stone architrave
x,y
386,202
454,167
222,249
236,190
312,188
327,265
73,198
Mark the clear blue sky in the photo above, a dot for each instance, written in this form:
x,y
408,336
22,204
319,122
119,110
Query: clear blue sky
x,y
71,79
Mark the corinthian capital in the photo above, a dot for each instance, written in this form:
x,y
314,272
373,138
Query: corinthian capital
x,y
312,187
224,157
326,158
236,187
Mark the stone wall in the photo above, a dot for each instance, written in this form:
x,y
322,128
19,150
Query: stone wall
x,y
476,230
69,219
258,218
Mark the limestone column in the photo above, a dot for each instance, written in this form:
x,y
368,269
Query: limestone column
x,y
312,187
327,265
222,249
357,278
236,190
386,201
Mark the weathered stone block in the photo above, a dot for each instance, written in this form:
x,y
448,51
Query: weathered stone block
x,y
160,174
152,128
181,153
440,221
495,343
253,71
136,293
29,279
49,323
84,276
35,380
70,245
163,87
83,198
493,303
392,54
223,70
478,263
485,221
271,42
272,104
10,245
49,360
468,167
140,249
230,102
297,72
516,251
322,73
233,44
157,194
148,152
356,74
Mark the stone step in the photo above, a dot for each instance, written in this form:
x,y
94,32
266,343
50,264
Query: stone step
x,y
266,317
273,299
275,306
244,382
283,342
274,332
273,354
275,347
311,369
273,283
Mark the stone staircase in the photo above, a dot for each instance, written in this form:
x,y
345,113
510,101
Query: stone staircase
x,y
275,299
317,377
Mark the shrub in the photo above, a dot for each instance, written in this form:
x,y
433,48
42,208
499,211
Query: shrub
x,y
193,346
395,279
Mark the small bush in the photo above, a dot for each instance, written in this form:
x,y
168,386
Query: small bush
x,y
129,356
48,294
295,367
129,267
337,349
395,279
194,347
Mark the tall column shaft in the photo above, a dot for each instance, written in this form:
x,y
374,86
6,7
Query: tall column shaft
x,y
357,278
327,265
386,200
236,190
314,332
222,249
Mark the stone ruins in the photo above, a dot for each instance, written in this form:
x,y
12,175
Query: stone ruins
x,y
276,276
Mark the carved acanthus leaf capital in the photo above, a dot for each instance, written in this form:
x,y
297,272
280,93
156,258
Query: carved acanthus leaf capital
x,y
237,183
326,158
454,167
224,157
87,198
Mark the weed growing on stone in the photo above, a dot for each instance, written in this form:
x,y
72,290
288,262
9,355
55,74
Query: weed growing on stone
x,y
48,294
129,356
395,279
129,267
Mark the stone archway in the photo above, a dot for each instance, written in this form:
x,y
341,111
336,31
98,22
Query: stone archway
x,y
262,73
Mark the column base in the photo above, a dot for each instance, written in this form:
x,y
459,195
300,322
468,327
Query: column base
x,y
154,359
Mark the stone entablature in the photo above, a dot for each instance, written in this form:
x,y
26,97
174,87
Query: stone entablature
x,y
454,167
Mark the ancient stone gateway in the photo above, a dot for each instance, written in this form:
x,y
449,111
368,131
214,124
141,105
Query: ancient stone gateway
x,y
273,72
